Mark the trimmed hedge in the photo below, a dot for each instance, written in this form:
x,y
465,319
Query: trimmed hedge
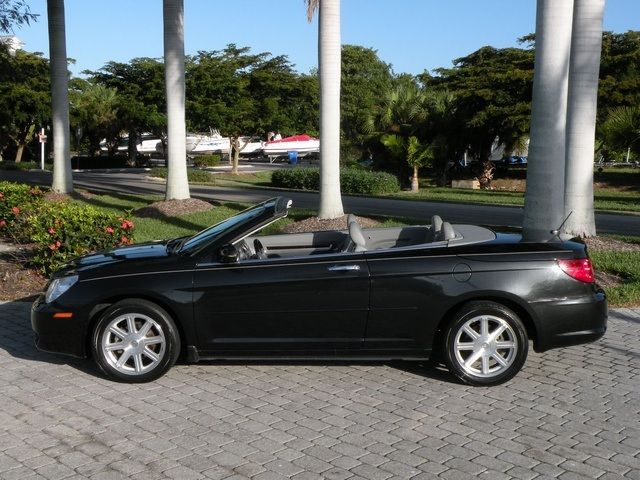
x,y
352,180
206,160
195,176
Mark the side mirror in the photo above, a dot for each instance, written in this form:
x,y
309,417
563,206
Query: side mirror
x,y
228,254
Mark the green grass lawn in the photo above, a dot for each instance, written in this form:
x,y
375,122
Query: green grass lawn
x,y
605,198
616,190
627,266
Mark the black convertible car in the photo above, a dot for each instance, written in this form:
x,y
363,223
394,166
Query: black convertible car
x,y
463,292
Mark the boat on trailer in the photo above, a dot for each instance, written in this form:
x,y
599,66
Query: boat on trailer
x,y
302,144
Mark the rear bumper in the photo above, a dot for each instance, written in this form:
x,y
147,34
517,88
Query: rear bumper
x,y
57,335
561,323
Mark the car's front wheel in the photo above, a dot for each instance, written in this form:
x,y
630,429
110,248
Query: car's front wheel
x,y
135,341
485,344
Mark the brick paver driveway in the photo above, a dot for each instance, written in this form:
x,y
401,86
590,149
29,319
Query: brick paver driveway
x,y
572,413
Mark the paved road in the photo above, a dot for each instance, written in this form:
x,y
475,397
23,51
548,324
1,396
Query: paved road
x,y
126,182
570,414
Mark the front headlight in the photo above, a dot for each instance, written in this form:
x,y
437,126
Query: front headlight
x,y
59,286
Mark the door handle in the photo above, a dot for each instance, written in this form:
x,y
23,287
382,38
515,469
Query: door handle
x,y
344,268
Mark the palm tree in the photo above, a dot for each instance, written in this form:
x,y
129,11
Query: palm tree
x,y
62,176
400,121
544,198
329,65
586,45
177,182
622,129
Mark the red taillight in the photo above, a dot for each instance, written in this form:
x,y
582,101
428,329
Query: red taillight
x,y
580,269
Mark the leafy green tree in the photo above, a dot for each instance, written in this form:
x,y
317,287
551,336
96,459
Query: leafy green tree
x,y
25,100
619,85
365,79
140,100
15,12
217,85
239,92
94,110
493,91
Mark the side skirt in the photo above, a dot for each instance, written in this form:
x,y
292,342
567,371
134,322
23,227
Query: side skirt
x,y
194,356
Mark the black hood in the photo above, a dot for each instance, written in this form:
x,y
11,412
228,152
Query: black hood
x,y
143,251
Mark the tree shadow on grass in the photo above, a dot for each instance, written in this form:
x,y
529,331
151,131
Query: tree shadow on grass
x,y
180,222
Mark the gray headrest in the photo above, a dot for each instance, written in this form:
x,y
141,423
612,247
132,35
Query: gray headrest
x,y
357,237
447,231
436,223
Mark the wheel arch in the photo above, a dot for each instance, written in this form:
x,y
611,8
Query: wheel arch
x,y
511,302
100,307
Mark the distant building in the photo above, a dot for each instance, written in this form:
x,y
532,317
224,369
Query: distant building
x,y
12,42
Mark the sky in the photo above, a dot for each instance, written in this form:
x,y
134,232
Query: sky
x,y
411,35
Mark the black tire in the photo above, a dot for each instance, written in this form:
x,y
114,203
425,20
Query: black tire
x,y
146,355
485,359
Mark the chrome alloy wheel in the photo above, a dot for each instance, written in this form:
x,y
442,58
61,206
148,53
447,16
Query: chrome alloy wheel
x,y
485,346
133,343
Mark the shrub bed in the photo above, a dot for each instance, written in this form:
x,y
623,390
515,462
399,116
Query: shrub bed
x,y
62,231
352,180
59,230
16,199
195,176
206,160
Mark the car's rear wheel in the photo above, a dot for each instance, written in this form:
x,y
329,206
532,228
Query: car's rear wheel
x,y
135,341
485,344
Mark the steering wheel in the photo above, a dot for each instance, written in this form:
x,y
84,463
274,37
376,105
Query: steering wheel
x,y
261,252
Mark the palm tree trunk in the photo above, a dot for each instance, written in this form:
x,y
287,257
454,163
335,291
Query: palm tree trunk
x,y
329,63
586,46
177,182
62,176
415,184
544,198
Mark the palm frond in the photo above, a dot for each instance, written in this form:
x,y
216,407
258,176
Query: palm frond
x,y
312,6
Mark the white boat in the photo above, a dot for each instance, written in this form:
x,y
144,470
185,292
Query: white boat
x,y
250,146
147,144
303,144
208,144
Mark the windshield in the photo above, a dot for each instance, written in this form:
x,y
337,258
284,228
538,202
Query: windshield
x,y
208,235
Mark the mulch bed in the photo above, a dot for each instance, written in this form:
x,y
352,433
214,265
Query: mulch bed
x,y
315,224
173,208
18,282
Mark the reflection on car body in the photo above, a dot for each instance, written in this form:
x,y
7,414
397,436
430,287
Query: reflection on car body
x,y
472,296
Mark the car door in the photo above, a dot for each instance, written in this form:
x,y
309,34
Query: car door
x,y
282,306
409,289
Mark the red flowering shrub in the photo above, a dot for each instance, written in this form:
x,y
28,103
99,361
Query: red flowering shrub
x,y
64,230
16,200
59,230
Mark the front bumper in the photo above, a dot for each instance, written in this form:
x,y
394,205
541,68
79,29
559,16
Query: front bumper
x,y
563,323
58,335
